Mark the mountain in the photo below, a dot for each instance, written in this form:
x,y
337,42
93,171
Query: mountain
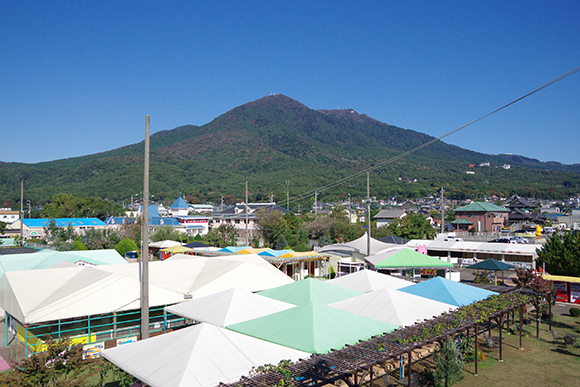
x,y
276,138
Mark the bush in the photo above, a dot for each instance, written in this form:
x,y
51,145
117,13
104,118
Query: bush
x,y
125,246
481,279
574,312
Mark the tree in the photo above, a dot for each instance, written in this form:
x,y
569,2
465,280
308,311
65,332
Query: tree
x,y
59,237
561,254
346,231
78,245
3,228
281,243
224,235
64,205
542,290
273,225
448,365
166,233
412,226
101,239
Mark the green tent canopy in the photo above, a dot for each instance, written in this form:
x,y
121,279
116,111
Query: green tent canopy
x,y
313,327
410,259
310,289
462,221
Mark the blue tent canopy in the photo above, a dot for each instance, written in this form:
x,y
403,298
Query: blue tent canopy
x,y
447,291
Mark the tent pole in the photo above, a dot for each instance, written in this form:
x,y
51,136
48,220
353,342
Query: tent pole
x,y
26,341
164,320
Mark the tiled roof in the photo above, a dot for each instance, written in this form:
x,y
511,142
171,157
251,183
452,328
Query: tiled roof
x,y
481,207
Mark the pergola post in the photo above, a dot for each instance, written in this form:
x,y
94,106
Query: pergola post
x,y
500,343
521,323
476,347
409,368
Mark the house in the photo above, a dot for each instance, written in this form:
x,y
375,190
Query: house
x,y
241,215
483,217
522,211
8,215
202,208
385,217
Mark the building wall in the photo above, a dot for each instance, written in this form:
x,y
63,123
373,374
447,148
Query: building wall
x,y
491,222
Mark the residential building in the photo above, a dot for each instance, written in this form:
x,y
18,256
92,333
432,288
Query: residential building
x,y
483,217
241,215
522,212
7,215
385,217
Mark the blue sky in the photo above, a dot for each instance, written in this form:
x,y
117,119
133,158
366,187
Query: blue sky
x,y
78,77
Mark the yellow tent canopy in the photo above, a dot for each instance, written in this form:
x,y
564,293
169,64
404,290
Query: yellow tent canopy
x,y
253,251
176,249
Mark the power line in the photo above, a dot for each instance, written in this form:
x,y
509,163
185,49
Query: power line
x,y
400,156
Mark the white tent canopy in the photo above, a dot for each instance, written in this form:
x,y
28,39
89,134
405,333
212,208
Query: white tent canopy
x,y
366,281
164,244
199,356
359,245
393,306
228,307
59,293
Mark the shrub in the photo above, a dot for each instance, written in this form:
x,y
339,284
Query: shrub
x,y
575,312
125,246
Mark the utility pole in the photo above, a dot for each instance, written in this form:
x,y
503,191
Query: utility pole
x,y
368,217
145,243
442,212
315,203
287,195
349,211
247,239
28,203
22,211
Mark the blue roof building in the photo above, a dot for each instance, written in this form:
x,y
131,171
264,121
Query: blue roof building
x,y
179,207
34,228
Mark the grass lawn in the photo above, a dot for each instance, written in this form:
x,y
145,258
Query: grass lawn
x,y
543,362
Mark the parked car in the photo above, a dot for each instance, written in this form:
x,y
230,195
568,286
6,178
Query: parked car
x,y
501,240
519,239
526,231
547,230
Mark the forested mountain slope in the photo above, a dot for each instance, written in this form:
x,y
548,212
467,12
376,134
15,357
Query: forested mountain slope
x,y
276,138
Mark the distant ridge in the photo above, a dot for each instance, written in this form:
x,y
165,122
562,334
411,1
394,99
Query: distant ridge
x,y
276,138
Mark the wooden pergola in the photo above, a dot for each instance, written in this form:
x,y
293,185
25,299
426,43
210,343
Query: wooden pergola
x,y
355,364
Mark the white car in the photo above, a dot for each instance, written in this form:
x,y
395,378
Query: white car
x,y
518,239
